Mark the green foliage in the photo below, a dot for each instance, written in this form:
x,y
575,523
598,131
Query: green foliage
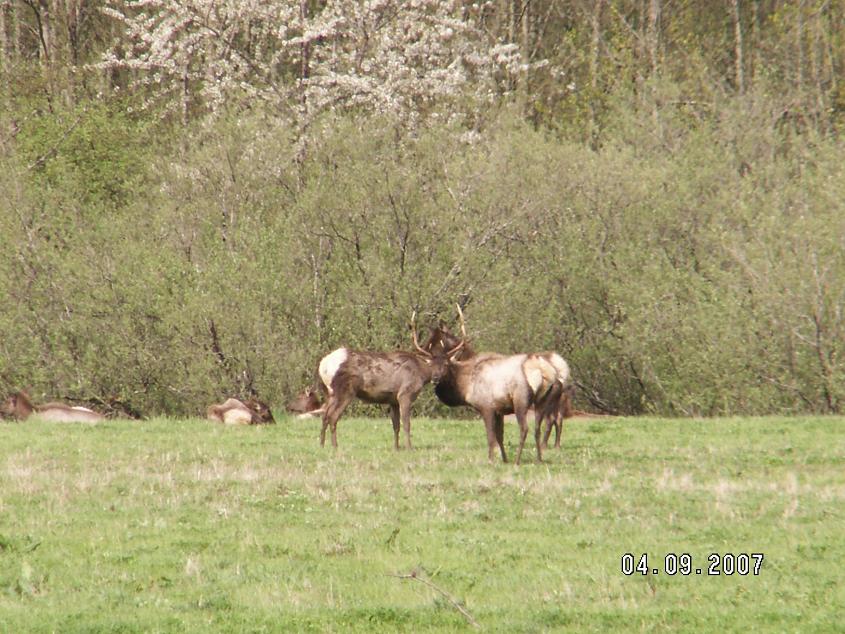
x,y
682,268
95,155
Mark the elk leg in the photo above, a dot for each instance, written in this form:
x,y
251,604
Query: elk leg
x,y
334,410
548,411
500,435
564,411
325,424
558,430
523,431
405,411
546,434
538,426
490,426
394,417
334,434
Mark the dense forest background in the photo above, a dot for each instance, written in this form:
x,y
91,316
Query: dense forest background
x,y
201,198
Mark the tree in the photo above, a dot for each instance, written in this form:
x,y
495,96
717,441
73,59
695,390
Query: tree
x,y
409,59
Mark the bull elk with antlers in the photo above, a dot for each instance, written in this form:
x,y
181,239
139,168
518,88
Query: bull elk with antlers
x,y
394,379
496,385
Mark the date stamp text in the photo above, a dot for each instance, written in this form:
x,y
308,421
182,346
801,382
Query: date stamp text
x,y
726,564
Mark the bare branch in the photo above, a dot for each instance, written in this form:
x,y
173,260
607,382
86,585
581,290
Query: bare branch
x,y
414,574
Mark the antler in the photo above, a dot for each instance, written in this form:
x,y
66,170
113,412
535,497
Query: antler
x,y
414,335
463,325
454,351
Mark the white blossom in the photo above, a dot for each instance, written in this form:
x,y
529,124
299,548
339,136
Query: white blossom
x,y
410,59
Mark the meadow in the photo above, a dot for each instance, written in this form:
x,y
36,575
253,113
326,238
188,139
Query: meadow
x,y
187,526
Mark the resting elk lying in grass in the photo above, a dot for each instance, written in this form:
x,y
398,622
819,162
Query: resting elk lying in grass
x,y
496,385
235,412
306,404
394,379
19,406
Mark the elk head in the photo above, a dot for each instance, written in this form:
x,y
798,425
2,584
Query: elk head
x,y
17,406
306,401
442,342
436,361
8,408
261,410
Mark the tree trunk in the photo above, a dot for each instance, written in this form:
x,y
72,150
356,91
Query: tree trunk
x,y
525,52
818,65
5,57
512,26
653,35
72,14
799,45
755,38
46,31
304,52
16,31
653,43
4,48
186,93
738,56
594,69
4,7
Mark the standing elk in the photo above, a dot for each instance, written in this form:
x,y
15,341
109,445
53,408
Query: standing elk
x,y
497,385
557,411
388,378
20,406
235,412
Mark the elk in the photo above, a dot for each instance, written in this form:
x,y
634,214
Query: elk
x,y
306,404
496,385
558,410
394,379
235,412
441,340
20,407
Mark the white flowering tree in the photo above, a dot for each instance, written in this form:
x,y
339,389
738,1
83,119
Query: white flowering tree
x,y
410,58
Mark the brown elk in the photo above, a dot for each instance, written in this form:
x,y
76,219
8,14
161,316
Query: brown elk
x,y
394,379
557,410
306,404
497,385
235,412
20,406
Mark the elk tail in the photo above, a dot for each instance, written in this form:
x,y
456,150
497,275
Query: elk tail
x,y
540,374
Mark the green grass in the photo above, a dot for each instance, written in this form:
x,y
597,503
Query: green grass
x,y
172,526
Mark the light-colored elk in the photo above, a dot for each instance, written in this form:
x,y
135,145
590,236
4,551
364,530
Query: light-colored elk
x,y
235,412
497,385
20,407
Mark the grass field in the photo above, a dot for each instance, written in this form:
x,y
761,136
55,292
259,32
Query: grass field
x,y
184,525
